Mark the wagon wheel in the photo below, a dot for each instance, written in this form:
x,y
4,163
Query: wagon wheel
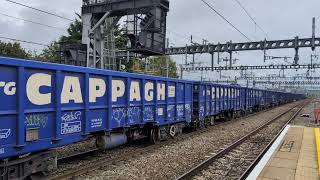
x,y
202,124
154,136
206,123
172,131
196,126
212,121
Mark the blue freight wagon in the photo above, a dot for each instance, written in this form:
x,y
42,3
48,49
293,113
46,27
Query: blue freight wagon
x,y
219,98
271,98
238,101
199,103
249,99
215,101
258,99
243,99
206,103
44,106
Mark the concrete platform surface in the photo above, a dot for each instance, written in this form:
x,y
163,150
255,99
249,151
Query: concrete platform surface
x,y
294,158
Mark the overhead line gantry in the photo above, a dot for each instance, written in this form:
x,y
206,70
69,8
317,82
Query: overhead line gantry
x,y
278,78
235,68
231,47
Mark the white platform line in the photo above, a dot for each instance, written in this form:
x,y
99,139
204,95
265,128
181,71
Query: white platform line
x,y
257,170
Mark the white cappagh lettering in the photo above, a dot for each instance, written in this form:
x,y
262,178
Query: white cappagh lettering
x,y
72,90
9,88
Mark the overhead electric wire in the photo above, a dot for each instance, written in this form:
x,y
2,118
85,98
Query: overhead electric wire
x,y
33,22
254,21
62,17
184,37
219,14
40,10
179,35
24,41
46,12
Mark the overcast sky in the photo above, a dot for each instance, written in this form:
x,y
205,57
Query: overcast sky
x,y
281,19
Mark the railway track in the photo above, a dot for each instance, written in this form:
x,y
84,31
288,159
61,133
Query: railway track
x,y
80,154
77,155
98,159
102,161
238,159
134,151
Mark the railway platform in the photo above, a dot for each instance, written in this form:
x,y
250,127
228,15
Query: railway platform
x,y
293,156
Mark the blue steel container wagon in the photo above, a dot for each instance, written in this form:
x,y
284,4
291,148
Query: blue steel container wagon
x,y
268,98
224,98
216,101
299,97
258,99
44,106
249,99
243,99
206,99
236,99
271,98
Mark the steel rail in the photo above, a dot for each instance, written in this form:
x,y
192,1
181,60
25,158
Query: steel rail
x,y
101,162
260,156
82,154
77,155
95,150
104,161
194,171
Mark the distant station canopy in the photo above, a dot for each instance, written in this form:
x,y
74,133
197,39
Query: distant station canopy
x,y
145,26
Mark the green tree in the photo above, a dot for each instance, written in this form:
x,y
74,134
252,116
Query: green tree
x,y
50,53
121,38
159,66
74,32
75,36
13,50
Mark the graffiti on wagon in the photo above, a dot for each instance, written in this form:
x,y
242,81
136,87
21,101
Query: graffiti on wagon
x,y
5,133
36,120
71,122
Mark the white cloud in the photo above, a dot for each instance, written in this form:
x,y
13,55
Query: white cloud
x,y
280,19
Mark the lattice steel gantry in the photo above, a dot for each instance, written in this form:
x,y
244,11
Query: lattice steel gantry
x,y
147,36
231,47
234,68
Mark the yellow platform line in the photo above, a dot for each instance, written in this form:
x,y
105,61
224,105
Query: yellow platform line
x,y
317,137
